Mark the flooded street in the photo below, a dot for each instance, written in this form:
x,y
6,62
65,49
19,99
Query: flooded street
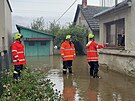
x,y
79,87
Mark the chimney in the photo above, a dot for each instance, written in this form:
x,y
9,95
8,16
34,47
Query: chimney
x,y
84,3
116,2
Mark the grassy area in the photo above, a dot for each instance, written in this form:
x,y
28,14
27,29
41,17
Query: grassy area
x,y
32,87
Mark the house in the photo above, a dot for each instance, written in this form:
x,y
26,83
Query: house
x,y
84,17
5,25
36,43
5,37
117,28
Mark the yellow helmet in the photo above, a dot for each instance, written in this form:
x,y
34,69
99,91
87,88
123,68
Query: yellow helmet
x,y
91,35
18,36
68,36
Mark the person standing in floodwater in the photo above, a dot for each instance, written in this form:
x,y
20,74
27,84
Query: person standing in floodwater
x,y
68,54
92,55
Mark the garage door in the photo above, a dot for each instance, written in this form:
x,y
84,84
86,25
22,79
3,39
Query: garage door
x,y
33,48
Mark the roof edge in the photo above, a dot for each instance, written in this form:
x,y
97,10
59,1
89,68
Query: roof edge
x,y
76,14
125,5
19,27
9,6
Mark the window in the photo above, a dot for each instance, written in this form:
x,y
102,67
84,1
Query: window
x,y
31,43
115,32
111,34
43,43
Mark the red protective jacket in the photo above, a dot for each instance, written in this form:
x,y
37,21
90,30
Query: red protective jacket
x,y
67,51
92,54
18,56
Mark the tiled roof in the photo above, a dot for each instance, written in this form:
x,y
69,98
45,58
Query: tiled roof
x,y
88,13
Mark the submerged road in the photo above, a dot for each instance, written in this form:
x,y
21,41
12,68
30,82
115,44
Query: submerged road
x,y
78,86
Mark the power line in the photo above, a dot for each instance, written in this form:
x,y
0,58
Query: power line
x,y
66,11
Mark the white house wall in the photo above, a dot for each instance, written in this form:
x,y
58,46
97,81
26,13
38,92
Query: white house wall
x,y
120,60
82,22
130,27
8,26
2,21
129,16
5,24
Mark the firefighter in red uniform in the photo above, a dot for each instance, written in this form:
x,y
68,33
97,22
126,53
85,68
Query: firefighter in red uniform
x,y
68,54
92,55
18,56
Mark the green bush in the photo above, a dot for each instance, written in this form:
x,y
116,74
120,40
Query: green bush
x,y
32,87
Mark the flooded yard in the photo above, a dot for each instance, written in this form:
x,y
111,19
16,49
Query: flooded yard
x,y
112,86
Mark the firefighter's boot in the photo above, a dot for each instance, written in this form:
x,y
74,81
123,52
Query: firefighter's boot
x,y
70,69
96,76
64,71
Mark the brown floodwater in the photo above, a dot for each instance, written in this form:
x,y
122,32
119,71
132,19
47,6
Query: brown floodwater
x,y
112,86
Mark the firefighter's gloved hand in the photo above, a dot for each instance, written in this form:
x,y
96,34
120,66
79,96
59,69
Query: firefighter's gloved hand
x,y
62,56
105,44
88,43
74,56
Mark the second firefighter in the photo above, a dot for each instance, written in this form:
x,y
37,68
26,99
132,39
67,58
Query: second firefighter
x,y
68,54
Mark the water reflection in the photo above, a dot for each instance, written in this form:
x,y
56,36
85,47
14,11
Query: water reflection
x,y
69,89
92,91
79,87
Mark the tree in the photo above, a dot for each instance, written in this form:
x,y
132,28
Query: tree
x,y
79,37
38,24
53,28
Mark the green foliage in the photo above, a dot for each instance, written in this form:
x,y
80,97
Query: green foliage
x,y
32,87
78,33
38,24
53,28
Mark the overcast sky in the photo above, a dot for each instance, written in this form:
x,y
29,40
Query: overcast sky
x,y
49,9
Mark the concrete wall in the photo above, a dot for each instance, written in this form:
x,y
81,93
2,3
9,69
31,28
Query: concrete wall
x,y
120,60
8,26
2,22
5,25
81,21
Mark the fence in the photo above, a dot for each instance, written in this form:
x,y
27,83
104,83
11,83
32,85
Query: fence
x,y
4,66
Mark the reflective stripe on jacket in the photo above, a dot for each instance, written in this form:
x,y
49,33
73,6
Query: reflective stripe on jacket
x,y
92,54
18,56
67,51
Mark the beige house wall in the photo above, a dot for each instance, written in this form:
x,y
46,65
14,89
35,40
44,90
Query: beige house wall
x,y
81,21
5,25
8,26
120,60
2,22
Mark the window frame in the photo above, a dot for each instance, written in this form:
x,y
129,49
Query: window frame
x,y
108,26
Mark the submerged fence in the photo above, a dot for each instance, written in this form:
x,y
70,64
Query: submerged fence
x,y
4,66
